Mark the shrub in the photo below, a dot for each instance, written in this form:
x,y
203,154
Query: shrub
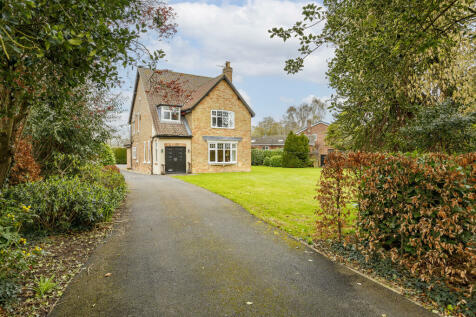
x,y
267,161
416,210
106,155
276,161
296,151
120,154
61,204
14,257
112,168
25,169
258,156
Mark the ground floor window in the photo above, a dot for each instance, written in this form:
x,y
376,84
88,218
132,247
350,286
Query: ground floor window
x,y
134,152
222,152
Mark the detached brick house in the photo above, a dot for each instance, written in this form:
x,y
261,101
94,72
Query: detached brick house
x,y
183,123
271,142
316,134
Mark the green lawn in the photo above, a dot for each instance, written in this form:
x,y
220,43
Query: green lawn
x,y
283,197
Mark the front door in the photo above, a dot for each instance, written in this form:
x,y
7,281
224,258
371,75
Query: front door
x,y
175,159
323,159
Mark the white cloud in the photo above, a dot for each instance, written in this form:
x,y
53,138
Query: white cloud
x,y
208,35
309,98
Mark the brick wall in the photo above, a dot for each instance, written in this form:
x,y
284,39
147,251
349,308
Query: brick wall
x,y
221,97
320,147
144,133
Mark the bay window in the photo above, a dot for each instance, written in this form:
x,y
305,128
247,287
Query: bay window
x,y
222,152
223,119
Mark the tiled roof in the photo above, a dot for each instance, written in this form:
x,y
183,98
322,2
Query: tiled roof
x,y
269,140
177,89
314,124
174,129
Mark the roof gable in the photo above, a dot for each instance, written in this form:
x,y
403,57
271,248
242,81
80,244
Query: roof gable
x,y
179,89
312,125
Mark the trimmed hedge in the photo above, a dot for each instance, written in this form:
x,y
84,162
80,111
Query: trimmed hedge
x,y
258,156
121,155
276,161
417,211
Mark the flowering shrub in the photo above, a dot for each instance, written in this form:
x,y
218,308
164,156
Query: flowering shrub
x,y
61,204
417,211
14,254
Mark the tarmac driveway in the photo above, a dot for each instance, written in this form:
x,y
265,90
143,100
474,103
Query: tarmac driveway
x,y
184,251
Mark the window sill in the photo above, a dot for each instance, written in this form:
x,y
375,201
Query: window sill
x,y
223,128
229,163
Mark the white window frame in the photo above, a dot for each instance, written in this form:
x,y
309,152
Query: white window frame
x,y
214,114
214,146
171,110
144,151
148,151
266,147
134,153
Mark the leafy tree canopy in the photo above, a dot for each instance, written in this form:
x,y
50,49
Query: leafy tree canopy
x,y
50,47
392,58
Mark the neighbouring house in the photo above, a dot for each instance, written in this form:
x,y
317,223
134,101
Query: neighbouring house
x,y
271,142
183,123
316,134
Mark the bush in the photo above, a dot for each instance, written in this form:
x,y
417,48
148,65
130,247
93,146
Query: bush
x,y
258,156
267,161
24,169
276,161
120,153
296,151
14,256
61,204
416,210
106,155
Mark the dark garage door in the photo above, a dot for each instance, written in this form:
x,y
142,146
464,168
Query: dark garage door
x,y
175,159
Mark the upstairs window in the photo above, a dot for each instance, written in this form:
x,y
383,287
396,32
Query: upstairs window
x,y
171,114
223,119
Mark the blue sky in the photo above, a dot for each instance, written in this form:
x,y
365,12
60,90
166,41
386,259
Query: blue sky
x,y
214,31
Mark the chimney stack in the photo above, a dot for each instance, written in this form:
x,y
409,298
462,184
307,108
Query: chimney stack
x,y
308,124
228,71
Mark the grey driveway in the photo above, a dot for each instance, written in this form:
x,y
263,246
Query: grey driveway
x,y
187,252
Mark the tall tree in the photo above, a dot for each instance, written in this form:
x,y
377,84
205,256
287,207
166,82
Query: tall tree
x,y
77,127
57,45
268,126
297,117
392,58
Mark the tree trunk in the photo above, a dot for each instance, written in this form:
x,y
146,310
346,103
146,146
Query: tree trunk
x,y
6,148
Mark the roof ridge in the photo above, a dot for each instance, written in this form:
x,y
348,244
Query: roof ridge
x,y
178,73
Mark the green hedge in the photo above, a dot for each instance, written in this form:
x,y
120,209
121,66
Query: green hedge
x,y
258,156
106,155
121,155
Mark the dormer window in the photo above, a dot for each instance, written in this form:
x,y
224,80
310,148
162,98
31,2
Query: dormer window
x,y
170,114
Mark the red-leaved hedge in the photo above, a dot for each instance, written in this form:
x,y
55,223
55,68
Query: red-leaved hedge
x,y
419,211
